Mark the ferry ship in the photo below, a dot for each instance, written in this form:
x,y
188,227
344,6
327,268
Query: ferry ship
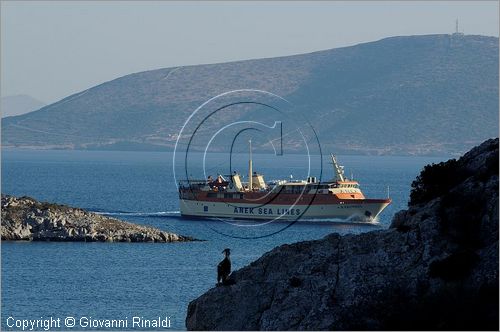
x,y
230,197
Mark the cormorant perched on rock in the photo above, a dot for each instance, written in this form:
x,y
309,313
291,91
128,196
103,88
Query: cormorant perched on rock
x,y
224,268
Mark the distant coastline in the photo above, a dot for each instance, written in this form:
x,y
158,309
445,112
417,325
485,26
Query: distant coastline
x,y
400,152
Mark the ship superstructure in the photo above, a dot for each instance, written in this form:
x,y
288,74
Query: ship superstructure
x,y
230,197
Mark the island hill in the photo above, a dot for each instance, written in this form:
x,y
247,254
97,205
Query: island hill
x,y
435,268
29,220
407,95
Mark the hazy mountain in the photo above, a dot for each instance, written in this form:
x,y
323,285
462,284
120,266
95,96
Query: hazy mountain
x,y
19,104
434,94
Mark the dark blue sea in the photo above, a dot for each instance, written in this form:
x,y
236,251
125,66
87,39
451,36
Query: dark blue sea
x,y
151,280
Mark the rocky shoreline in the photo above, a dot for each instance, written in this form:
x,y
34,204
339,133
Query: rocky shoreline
x,y
435,268
25,219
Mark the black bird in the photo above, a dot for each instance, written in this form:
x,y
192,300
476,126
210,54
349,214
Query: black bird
x,y
224,268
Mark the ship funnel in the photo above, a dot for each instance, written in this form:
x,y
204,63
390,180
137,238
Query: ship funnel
x,y
337,169
250,171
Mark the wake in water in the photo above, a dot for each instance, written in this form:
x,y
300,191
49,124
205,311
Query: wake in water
x,y
137,214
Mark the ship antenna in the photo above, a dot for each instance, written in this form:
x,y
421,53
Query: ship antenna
x,y
388,196
339,172
250,171
456,26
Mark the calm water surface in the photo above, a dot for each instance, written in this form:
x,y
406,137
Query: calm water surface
x,y
121,280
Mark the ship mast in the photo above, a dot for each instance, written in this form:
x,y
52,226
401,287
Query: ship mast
x,y
250,172
337,169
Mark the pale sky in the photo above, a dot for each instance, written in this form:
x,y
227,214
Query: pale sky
x,y
50,50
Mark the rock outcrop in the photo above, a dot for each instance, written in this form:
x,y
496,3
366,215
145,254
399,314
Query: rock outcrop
x,y
436,267
27,219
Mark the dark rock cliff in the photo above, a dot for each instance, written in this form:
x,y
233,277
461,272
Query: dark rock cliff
x,y
436,267
27,219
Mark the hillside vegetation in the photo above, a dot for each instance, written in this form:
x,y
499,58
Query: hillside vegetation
x,y
433,94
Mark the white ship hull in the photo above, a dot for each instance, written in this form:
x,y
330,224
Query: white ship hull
x,y
363,209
